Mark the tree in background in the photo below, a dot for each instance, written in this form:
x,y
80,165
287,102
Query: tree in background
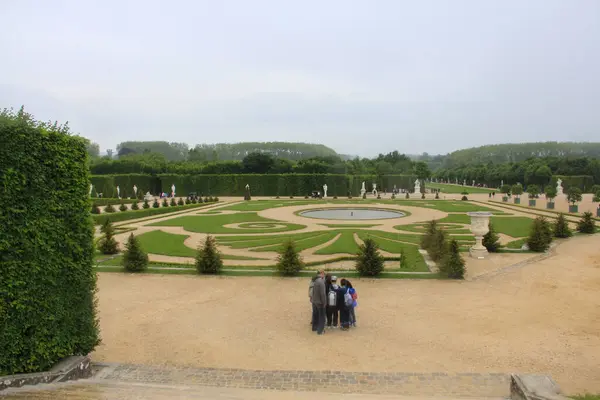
x,y
491,240
517,190
533,191
574,195
134,258
586,224
540,236
289,262
108,244
208,258
368,260
430,230
550,193
505,189
258,163
561,227
454,265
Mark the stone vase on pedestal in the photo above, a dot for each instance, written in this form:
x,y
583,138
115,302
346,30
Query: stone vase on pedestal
x,y
480,221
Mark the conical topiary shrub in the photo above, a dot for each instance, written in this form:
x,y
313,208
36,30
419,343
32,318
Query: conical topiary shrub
x,y
95,209
208,259
368,261
540,236
134,258
155,204
289,262
122,207
109,209
108,244
135,206
165,203
173,202
586,224
180,202
454,265
561,227
491,240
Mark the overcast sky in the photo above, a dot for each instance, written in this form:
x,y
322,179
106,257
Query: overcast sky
x,y
362,77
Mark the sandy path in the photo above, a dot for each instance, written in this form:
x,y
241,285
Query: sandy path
x,y
540,318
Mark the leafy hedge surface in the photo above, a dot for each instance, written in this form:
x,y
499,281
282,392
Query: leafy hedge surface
x,y
147,212
47,285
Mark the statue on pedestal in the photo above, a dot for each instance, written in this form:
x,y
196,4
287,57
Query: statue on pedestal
x,y
363,190
417,186
559,188
325,191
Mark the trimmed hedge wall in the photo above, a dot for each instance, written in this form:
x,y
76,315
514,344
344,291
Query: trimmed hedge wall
x,y
583,182
107,185
47,285
127,215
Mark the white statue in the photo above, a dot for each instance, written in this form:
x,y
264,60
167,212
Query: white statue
x,y
135,191
502,183
173,189
374,189
324,190
559,188
247,187
148,197
417,186
473,182
464,182
118,192
362,190
91,188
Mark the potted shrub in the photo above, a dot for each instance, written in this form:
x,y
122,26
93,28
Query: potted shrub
x,y
505,190
533,191
550,195
517,190
574,196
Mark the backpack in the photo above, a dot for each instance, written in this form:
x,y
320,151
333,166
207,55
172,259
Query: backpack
x,y
348,300
332,298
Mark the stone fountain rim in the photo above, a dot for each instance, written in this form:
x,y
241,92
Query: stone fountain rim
x,y
479,214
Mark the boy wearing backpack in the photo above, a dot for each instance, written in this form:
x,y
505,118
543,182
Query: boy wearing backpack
x,y
332,307
344,302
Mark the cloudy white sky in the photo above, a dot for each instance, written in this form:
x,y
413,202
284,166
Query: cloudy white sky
x,y
363,77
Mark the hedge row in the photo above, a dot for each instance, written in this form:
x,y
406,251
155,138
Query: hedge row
x,y
47,284
107,185
104,201
127,215
260,185
583,182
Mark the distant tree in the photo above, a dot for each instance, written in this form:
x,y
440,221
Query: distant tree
x,y
368,261
550,192
505,189
540,236
289,261
574,195
517,190
586,224
491,240
421,170
561,227
533,191
134,258
208,259
258,163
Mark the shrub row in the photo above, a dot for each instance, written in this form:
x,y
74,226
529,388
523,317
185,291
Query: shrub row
x,y
127,215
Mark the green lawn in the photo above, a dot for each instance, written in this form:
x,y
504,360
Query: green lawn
x,y
260,205
314,240
512,226
214,223
516,244
358,226
447,188
414,259
450,228
344,245
243,242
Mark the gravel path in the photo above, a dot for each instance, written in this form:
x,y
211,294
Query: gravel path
x,y
540,318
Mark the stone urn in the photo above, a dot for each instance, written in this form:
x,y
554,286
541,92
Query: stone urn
x,y
479,226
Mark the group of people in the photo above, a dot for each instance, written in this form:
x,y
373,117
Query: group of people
x,y
332,303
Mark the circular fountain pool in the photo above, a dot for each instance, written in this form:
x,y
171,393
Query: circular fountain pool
x,y
351,213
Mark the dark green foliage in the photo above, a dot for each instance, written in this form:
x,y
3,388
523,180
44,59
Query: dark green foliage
x,y
453,263
123,207
393,196
208,259
561,227
188,201
430,230
135,206
550,192
215,199
540,236
145,206
438,245
574,195
180,202
368,260
491,240
423,195
533,191
464,198
210,199
47,285
194,201
155,204
134,258
289,262
379,196
437,195
109,209
407,195
108,244
95,209
517,189
107,185
364,196
505,189
127,215
173,203
596,197
464,193
165,203
586,224
206,200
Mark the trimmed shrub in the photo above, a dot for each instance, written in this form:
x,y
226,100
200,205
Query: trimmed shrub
x,y
464,198
584,182
165,203
206,200
173,203
135,206
505,189
517,190
180,202
437,195
123,207
305,197
586,224
533,191
335,197
145,206
438,245
423,196
561,227
109,209
95,209
134,258
194,201
453,263
393,196
47,284
596,197
364,196
127,215
108,244
407,195
289,262
208,259
430,230
368,260
215,199
491,240
155,204
378,196
188,201
540,236
574,195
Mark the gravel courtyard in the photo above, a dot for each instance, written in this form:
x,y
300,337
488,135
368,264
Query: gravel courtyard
x,y
543,318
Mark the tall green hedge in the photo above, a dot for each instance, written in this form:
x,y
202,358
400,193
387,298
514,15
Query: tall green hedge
x,y
281,184
107,185
47,285
583,182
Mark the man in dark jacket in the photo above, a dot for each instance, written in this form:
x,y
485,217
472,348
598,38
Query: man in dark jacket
x,y
319,301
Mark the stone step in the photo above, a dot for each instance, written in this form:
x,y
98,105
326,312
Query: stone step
x,y
95,389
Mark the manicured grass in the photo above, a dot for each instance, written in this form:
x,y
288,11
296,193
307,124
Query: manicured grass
x,y
586,396
315,240
260,205
243,242
447,188
214,223
516,244
104,259
345,244
414,259
119,216
450,228
512,226
456,219
359,226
